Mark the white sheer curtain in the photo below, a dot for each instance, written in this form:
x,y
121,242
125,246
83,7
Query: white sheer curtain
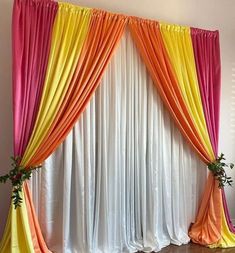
x,y
124,179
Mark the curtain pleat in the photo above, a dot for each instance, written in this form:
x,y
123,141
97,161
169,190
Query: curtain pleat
x,y
68,36
148,38
75,67
30,52
124,179
17,236
177,40
60,53
104,34
207,60
207,57
162,46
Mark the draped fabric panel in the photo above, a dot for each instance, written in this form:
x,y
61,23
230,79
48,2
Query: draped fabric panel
x,y
148,38
177,40
207,228
180,49
104,34
30,53
30,58
57,42
17,234
90,67
68,36
174,43
69,39
207,57
227,239
124,179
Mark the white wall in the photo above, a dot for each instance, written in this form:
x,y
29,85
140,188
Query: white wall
x,y
208,14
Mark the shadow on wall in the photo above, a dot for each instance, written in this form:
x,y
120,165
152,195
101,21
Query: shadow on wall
x,y
6,149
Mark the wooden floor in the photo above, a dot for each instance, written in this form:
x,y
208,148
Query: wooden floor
x,y
193,248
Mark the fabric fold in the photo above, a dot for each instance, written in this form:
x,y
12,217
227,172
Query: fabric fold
x,y
69,33
207,228
178,43
30,53
104,34
207,58
60,52
125,148
168,53
74,68
148,38
17,237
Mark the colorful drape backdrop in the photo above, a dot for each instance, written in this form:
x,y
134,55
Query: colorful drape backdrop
x,y
110,189
60,52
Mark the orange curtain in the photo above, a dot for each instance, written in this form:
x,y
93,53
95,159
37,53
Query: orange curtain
x,y
104,33
148,39
207,228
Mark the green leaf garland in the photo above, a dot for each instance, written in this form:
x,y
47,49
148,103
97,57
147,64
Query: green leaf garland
x,y
218,169
17,175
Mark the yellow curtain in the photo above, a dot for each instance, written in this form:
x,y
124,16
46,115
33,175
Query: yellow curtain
x,y
17,235
69,33
227,239
178,42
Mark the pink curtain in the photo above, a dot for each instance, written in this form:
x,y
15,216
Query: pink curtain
x,y
207,56
31,35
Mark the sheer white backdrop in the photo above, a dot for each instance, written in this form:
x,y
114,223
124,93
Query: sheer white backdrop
x,y
124,179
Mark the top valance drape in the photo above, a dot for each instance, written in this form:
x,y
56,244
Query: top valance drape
x,y
60,52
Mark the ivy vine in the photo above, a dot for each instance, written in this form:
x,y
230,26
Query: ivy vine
x,y
17,175
218,169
